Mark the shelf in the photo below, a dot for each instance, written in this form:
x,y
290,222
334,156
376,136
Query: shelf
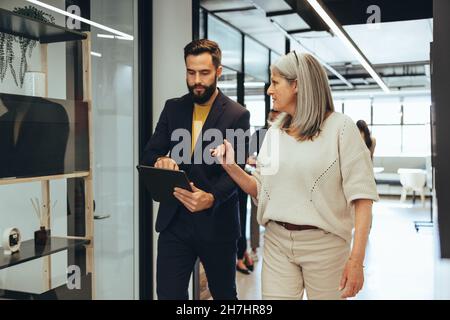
x,y
28,251
18,25
80,174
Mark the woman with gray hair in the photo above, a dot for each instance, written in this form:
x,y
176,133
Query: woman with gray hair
x,y
313,185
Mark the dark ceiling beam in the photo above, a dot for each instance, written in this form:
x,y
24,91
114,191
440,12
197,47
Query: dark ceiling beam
x,y
368,77
279,13
234,9
298,31
349,68
351,12
307,13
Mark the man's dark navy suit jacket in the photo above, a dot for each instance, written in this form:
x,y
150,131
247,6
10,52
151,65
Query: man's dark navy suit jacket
x,y
221,222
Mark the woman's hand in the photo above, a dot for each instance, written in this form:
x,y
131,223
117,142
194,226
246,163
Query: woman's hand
x,y
352,279
224,153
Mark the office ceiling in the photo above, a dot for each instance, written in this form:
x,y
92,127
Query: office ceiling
x,y
398,47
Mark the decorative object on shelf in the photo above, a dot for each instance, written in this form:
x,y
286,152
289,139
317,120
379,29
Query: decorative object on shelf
x,y
26,45
41,236
11,241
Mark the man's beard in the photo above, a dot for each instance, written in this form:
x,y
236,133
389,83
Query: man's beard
x,y
205,96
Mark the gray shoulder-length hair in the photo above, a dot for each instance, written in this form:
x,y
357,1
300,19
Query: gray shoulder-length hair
x,y
313,97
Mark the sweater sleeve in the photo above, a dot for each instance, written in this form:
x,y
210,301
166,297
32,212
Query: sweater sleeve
x,y
356,166
265,165
257,175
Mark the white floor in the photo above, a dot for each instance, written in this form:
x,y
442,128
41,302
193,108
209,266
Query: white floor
x,y
399,260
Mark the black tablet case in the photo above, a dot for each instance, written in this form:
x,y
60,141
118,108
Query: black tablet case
x,y
161,182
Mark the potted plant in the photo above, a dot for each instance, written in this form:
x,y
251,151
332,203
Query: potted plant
x,y
7,55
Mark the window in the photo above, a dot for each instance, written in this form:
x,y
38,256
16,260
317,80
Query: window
x,y
257,107
229,40
338,105
416,110
386,111
396,135
358,110
416,140
256,60
255,102
389,140
274,57
201,22
228,83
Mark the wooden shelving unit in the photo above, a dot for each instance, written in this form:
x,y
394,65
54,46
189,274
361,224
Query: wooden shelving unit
x,y
46,33
18,25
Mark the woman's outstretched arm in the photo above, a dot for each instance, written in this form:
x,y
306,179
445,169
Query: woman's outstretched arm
x,y
225,154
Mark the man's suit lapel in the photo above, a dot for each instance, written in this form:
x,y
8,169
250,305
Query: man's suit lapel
x,y
184,119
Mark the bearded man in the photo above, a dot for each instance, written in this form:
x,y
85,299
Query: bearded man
x,y
203,223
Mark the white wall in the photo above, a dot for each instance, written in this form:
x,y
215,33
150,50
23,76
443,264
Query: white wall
x,y
172,30
15,206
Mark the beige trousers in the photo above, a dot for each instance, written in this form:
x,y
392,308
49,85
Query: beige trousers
x,y
297,260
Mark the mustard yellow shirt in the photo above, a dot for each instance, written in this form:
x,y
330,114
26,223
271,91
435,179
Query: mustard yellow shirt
x,y
198,120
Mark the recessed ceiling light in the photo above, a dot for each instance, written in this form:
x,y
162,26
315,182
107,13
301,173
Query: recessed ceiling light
x,y
326,65
343,36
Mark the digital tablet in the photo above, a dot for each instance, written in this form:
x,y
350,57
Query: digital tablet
x,y
162,182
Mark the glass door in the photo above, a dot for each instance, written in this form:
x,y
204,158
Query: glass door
x,y
113,89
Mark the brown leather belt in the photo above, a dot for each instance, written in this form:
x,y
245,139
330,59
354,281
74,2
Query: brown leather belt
x,y
295,227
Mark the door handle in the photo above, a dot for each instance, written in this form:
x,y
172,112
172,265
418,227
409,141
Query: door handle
x,y
101,216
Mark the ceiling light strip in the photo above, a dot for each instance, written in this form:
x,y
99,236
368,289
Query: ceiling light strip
x,y
89,22
105,36
345,38
326,65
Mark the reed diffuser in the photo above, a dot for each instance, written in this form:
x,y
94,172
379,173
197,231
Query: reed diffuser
x,y
41,236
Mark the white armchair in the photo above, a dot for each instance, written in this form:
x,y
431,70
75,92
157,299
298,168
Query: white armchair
x,y
413,180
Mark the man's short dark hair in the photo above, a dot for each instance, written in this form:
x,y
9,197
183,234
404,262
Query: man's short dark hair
x,y
198,47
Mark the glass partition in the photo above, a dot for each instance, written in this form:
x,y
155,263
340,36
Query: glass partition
x,y
229,40
256,59
88,144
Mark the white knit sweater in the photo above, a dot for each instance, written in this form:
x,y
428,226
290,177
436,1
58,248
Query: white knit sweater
x,y
315,182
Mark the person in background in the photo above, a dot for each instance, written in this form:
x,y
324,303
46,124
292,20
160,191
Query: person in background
x,y
244,262
367,137
312,190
